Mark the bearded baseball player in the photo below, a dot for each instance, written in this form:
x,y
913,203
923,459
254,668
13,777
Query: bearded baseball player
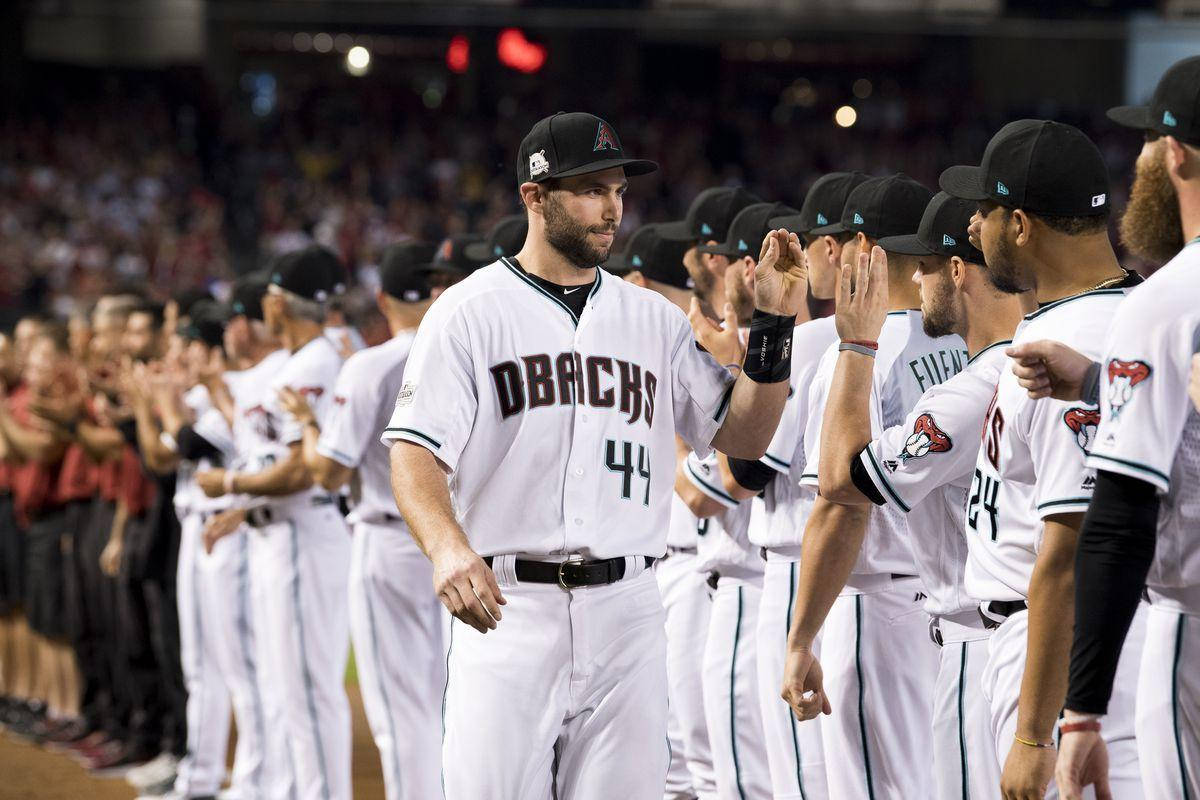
x,y
924,466
395,623
1042,191
869,596
1140,527
550,393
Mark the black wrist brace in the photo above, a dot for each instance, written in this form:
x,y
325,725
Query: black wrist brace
x,y
769,348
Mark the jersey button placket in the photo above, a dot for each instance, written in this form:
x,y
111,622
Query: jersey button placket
x,y
575,495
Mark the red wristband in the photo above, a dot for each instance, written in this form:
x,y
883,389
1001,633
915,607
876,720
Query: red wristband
x,y
874,345
1083,725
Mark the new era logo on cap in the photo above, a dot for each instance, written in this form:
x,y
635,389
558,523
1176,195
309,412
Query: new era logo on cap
x,y
605,138
821,219
948,240
706,229
1001,188
858,220
1169,119
636,261
742,245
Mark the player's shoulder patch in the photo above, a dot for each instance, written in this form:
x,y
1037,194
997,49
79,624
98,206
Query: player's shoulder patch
x,y
405,397
1083,422
926,438
1123,378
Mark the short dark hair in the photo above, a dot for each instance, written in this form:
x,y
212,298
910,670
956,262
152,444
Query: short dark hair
x,y
1069,226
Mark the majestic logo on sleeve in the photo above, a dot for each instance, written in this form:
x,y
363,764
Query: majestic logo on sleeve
x,y
569,378
1083,423
926,438
1123,378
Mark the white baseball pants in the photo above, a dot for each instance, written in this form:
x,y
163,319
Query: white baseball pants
x,y
1168,706
964,751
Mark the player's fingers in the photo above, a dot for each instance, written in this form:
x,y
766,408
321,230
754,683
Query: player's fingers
x,y
864,276
1103,790
490,577
483,592
844,284
473,608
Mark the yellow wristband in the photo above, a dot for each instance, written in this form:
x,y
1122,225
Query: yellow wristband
x,y
1031,743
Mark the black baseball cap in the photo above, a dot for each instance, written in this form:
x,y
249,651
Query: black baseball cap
x,y
943,231
658,259
186,298
1174,108
1038,165
709,215
506,238
748,229
573,143
880,207
451,255
205,323
313,273
245,299
823,204
404,270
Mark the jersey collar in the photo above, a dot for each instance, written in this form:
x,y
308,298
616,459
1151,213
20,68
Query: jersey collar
x,y
524,278
991,346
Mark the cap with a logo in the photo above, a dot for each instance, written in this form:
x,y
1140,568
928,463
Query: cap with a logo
x,y
313,273
822,205
1040,166
451,255
506,238
943,231
880,207
658,259
404,270
748,229
245,299
709,215
1174,109
574,143
205,323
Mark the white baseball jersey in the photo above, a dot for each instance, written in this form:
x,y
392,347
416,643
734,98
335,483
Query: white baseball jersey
x,y
924,467
724,541
251,424
777,518
363,401
1031,462
558,432
187,494
907,364
1149,428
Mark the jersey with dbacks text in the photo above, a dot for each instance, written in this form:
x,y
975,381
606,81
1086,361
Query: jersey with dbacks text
x,y
778,518
364,398
558,432
924,467
907,364
1031,461
724,539
1149,428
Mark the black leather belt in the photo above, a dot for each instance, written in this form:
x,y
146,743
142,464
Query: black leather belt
x,y
262,516
994,612
713,578
571,574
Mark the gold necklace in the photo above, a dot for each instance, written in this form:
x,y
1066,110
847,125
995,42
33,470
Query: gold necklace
x,y
1109,282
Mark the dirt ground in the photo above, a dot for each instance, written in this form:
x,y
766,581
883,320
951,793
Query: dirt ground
x,y
30,773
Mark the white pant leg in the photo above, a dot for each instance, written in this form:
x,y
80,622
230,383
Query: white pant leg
x,y
269,568
309,635
1168,706
795,753
964,753
688,605
226,573
202,769
879,668
396,626
731,701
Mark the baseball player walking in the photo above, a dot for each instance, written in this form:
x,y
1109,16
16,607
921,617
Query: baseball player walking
x,y
551,393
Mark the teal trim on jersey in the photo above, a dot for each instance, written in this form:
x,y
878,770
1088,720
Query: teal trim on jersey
x,y
775,462
862,720
381,685
882,481
720,494
804,475
724,403
1065,300
903,312
1133,465
437,445
1066,501
309,695
792,717
1183,776
971,360
445,692
962,734
737,635
515,270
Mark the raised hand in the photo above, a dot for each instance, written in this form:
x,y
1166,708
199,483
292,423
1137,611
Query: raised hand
x,y
781,276
862,308
724,344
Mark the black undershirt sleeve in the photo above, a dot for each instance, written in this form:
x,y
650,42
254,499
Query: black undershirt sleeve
x,y
193,447
862,481
752,475
1116,546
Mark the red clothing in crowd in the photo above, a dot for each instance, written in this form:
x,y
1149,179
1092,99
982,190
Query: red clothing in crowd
x,y
34,483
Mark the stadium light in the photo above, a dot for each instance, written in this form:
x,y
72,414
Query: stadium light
x,y
517,52
458,54
845,116
358,60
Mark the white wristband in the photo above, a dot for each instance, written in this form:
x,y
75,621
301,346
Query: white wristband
x,y
229,476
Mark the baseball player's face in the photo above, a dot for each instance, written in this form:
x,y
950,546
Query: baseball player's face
x,y
44,365
582,215
824,253
739,287
1151,226
272,308
991,230
940,303
704,269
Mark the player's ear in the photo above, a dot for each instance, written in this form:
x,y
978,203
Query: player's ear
x,y
1181,161
832,246
958,272
532,196
1020,225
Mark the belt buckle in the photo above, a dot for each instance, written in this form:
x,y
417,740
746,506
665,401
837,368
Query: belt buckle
x,y
573,559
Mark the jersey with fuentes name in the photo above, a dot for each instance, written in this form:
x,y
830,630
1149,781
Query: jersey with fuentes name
x,y
907,364
924,467
363,400
724,538
1031,462
1149,428
778,518
558,432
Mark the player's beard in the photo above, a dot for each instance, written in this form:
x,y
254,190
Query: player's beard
x,y
738,294
1002,269
939,313
702,280
1151,227
570,237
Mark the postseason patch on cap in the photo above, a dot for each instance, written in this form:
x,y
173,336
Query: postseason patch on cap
x,y
538,165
